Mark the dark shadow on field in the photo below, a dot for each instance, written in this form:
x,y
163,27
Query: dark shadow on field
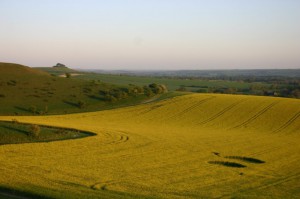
x,y
15,129
71,103
22,109
246,159
96,97
227,164
8,193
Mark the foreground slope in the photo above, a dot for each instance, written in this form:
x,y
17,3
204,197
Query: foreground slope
x,y
164,149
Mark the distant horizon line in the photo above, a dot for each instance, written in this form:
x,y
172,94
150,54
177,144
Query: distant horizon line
x,y
168,69
153,70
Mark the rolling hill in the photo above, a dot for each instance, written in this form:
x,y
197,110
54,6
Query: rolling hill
x,y
192,146
11,70
29,91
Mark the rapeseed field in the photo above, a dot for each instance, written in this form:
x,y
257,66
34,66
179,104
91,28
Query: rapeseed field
x,y
191,146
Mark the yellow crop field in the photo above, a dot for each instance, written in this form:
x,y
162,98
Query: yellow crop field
x,y
182,147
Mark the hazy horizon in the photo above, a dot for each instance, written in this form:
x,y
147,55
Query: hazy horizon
x,y
152,35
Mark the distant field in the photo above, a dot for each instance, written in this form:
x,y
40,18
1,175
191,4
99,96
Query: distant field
x,y
171,83
277,83
192,146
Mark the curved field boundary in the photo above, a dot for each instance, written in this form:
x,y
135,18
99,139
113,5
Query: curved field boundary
x,y
87,133
288,123
193,106
261,112
222,112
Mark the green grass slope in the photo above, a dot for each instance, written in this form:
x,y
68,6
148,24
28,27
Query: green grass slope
x,y
192,146
8,70
27,91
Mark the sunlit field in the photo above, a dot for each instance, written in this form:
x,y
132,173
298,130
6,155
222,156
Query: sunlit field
x,y
192,146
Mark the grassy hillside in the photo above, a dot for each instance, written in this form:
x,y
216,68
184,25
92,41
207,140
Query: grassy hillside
x,y
192,146
28,91
8,70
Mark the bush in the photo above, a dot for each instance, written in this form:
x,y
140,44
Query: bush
x,y
148,91
34,130
2,95
81,104
201,90
110,98
15,121
33,109
61,131
158,88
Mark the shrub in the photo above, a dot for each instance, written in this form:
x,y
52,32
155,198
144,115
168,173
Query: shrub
x,y
68,75
81,104
2,95
15,121
34,130
148,92
110,98
33,109
201,90
158,88
61,131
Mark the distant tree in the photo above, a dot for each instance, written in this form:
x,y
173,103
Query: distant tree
x,y
33,109
59,65
230,90
158,88
296,93
202,90
164,88
68,75
148,91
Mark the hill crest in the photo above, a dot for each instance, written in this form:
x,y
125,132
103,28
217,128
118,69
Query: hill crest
x,y
15,70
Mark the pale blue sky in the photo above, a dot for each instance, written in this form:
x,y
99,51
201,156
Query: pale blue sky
x,y
151,34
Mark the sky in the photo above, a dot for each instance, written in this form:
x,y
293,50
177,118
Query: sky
x,y
151,34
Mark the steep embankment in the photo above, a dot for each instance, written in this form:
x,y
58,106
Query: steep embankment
x,y
193,146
